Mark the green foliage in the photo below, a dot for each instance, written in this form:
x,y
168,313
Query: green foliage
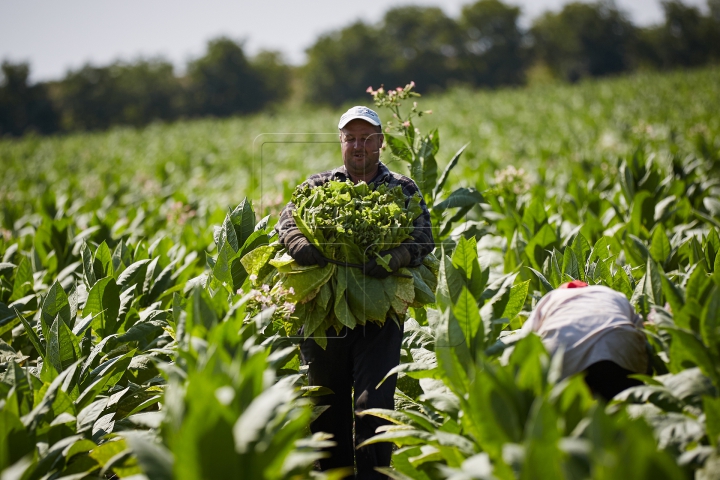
x,y
224,82
584,40
349,224
130,344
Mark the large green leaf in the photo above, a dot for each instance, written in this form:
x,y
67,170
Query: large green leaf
x,y
222,269
426,155
23,279
199,312
673,293
32,335
399,148
626,181
162,282
367,297
8,319
400,291
103,303
462,197
711,408
657,395
636,250
465,260
621,283
88,268
450,282
228,236
534,217
552,270
341,308
660,248
63,347
653,283
134,274
105,376
582,250
516,301
494,308
452,354
423,293
543,455
102,261
155,460
601,250
570,264
468,316
710,321
446,172
44,405
712,248
543,281
536,248
56,304
15,440
243,218
686,347
306,282
256,260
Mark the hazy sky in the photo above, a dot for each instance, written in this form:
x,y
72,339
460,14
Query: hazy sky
x,y
58,35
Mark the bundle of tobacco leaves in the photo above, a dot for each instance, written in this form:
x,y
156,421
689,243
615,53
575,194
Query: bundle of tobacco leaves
x,y
349,224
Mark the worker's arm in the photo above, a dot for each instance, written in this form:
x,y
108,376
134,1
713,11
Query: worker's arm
x,y
422,242
290,236
286,227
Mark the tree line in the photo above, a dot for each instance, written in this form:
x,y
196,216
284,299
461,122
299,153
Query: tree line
x,y
485,47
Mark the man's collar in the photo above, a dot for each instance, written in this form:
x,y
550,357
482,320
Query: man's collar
x,y
382,174
380,177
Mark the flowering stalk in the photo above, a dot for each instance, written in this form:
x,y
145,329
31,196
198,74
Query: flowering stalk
x,y
391,99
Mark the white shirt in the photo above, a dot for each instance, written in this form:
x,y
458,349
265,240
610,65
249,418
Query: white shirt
x,y
592,324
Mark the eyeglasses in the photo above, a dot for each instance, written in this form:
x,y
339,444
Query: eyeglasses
x,y
363,140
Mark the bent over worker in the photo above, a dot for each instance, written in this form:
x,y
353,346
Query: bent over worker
x,y
357,359
599,333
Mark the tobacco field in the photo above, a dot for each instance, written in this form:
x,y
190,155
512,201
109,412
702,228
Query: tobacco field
x,y
136,340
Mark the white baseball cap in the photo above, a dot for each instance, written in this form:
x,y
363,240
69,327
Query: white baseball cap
x,y
362,113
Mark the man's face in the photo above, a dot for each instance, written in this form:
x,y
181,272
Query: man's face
x,y
361,142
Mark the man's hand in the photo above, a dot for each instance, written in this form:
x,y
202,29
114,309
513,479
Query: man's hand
x,y
303,252
399,257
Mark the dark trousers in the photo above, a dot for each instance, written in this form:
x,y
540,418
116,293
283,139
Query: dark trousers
x,y
606,379
354,359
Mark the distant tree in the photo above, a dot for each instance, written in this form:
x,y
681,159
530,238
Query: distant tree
x,y
584,40
493,46
122,93
713,26
342,64
24,107
223,82
714,7
275,75
425,45
684,36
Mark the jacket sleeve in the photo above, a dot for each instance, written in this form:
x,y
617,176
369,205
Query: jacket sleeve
x,y
286,227
422,242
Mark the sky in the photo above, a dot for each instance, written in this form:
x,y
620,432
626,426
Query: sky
x,y
57,35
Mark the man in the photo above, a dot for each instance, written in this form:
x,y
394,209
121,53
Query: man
x,y
599,333
357,359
